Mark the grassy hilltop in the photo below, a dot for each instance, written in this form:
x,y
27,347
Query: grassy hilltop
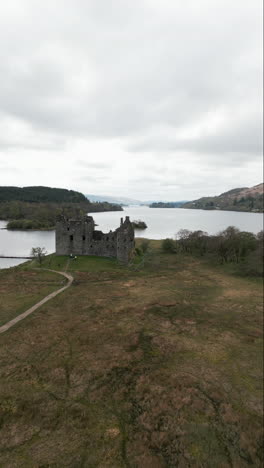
x,y
153,367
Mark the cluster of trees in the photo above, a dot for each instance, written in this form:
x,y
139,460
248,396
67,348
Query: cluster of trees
x,y
249,203
26,215
23,215
98,207
244,249
166,204
138,224
26,224
229,203
38,207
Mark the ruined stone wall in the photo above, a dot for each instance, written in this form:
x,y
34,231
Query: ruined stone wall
x,y
125,241
78,237
73,236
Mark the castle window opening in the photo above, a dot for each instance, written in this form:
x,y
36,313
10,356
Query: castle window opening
x,y
83,237
71,238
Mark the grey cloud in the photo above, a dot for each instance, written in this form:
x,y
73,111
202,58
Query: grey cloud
x,y
145,180
6,145
156,73
242,140
8,169
91,178
93,165
137,72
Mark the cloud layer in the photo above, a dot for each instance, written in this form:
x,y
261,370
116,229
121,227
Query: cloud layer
x,y
151,99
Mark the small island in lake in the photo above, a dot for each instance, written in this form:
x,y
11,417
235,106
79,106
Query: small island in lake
x,y
177,204
138,224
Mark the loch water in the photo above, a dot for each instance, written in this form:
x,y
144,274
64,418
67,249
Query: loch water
x,y
161,222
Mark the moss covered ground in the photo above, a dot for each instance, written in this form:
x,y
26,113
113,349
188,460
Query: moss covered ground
x,y
156,367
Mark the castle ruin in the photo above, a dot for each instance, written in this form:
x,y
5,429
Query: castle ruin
x,y
79,237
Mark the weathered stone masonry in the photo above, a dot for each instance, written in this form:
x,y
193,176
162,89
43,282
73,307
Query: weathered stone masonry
x,y
79,237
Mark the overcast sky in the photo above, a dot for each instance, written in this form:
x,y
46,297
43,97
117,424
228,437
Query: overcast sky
x,y
151,99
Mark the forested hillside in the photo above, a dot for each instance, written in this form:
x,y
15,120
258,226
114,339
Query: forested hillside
x,y
40,194
239,199
37,207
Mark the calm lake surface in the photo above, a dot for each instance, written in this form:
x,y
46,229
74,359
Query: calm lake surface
x,y
161,222
15,243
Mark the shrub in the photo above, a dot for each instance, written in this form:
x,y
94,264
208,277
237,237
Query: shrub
x,y
138,251
169,246
253,264
144,246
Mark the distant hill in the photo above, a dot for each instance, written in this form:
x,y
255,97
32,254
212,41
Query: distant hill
x,y
238,199
118,200
40,194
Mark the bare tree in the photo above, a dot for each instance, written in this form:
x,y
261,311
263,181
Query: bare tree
x,y
38,253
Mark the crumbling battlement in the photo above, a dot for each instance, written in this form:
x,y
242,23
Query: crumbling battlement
x,y
79,237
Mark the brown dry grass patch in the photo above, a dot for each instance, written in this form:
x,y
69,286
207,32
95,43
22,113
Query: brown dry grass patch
x,y
131,369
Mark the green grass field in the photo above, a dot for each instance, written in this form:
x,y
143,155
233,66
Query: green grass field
x,y
160,367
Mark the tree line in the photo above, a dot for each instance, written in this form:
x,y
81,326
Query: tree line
x,y
40,194
231,246
28,215
244,203
166,204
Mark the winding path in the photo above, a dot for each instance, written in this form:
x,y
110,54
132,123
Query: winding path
x,y
32,309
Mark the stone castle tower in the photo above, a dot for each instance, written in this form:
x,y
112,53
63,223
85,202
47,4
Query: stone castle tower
x,y
79,237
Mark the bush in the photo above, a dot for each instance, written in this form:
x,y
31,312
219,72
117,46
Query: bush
x,y
253,264
169,246
144,246
138,251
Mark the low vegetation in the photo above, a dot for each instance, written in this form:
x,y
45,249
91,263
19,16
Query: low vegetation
x,y
156,367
